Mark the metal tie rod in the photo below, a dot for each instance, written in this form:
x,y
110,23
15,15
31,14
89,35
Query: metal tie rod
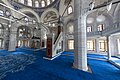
x,y
14,10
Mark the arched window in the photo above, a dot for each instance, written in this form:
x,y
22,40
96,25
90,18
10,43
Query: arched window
x,y
7,13
19,43
42,3
24,32
36,4
1,29
20,32
1,40
33,21
48,2
22,1
100,27
89,29
29,2
70,9
1,13
71,29
70,44
102,45
1,33
26,19
91,45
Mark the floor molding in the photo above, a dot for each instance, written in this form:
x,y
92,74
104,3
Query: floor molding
x,y
115,64
53,57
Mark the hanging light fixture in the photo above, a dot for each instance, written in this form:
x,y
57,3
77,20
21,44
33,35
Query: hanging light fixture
x,y
9,25
49,24
53,25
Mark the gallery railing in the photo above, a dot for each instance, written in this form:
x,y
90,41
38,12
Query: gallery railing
x,y
107,31
112,29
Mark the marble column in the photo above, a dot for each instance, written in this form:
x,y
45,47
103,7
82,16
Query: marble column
x,y
6,38
97,49
12,38
108,52
80,47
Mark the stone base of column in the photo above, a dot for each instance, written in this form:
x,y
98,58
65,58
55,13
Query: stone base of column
x,y
109,57
79,67
12,50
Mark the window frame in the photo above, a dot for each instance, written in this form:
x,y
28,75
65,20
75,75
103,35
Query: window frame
x,y
89,44
30,3
48,2
89,28
1,12
43,4
69,11
102,45
36,3
72,44
72,31
22,1
100,27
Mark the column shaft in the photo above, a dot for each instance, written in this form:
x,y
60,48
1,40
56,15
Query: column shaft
x,y
80,51
108,50
97,45
12,38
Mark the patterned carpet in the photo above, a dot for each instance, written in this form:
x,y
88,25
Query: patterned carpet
x,y
14,62
24,64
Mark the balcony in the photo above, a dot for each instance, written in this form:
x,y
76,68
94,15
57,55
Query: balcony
x,y
107,31
112,29
94,33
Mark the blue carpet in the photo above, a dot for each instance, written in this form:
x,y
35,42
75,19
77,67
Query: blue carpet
x,y
97,56
41,69
104,70
13,63
116,60
4,52
61,68
66,52
88,55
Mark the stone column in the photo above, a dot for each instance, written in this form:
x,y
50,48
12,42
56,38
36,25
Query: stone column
x,y
108,52
113,49
97,49
80,51
64,42
6,38
12,38
64,38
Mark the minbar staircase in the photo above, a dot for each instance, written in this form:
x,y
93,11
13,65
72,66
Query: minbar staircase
x,y
54,47
57,46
